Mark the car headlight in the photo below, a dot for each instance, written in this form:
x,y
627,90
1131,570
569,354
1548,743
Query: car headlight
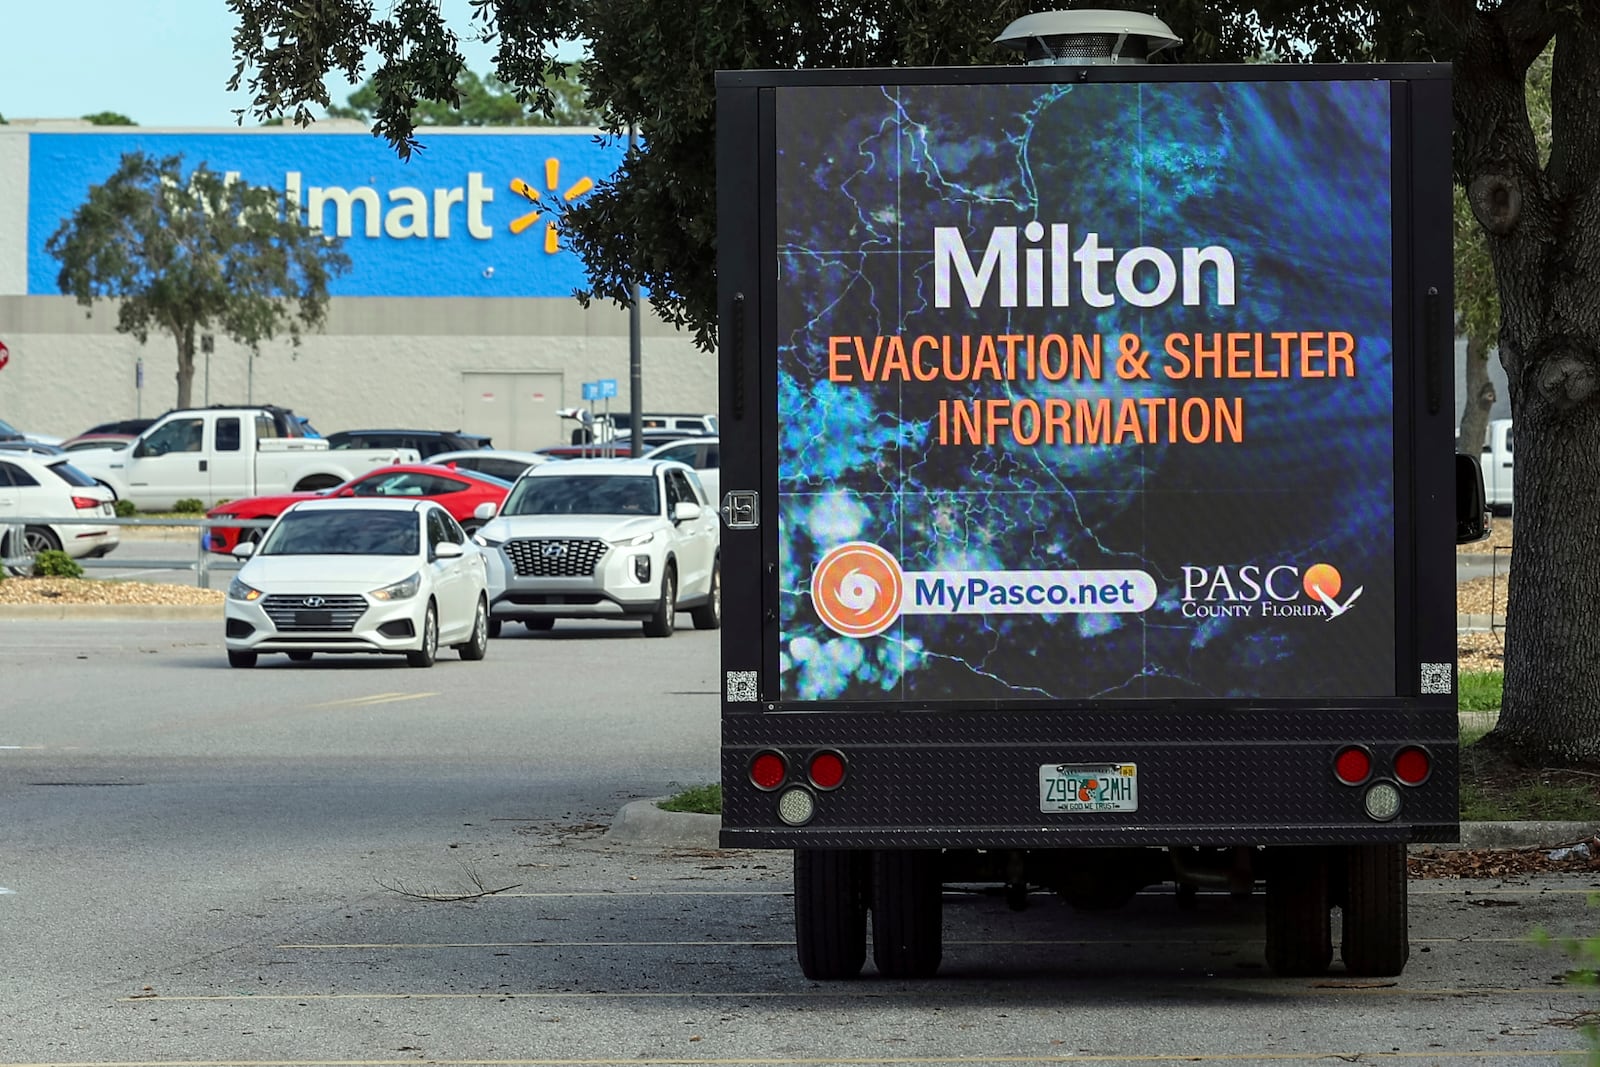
x,y
223,515
237,590
406,587
641,539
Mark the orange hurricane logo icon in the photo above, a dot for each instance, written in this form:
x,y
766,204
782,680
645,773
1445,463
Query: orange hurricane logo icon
x,y
857,588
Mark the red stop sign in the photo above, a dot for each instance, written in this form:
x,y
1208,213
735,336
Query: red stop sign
x,y
5,355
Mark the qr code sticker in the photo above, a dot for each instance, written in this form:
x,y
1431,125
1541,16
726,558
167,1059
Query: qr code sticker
x,y
1436,678
741,687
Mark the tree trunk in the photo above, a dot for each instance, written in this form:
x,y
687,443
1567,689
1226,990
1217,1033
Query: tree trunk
x,y
1544,238
1480,398
185,375
1551,710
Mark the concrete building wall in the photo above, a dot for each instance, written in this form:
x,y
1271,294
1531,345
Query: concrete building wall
x,y
379,362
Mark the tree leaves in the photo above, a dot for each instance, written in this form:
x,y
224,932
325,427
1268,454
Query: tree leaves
x,y
188,253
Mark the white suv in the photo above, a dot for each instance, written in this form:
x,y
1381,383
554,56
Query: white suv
x,y
605,539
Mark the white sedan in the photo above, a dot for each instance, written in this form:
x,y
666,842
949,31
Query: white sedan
x,y
359,575
50,487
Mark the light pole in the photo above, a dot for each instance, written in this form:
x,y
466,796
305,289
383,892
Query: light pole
x,y
635,368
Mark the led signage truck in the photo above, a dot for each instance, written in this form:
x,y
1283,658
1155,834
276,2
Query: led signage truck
x,y
1088,439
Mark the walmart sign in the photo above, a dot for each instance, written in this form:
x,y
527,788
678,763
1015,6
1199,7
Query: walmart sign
x,y
462,218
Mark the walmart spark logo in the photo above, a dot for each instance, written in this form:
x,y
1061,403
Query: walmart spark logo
x,y
552,182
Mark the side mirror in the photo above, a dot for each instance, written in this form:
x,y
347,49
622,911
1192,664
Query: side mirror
x,y
139,451
447,550
685,511
244,550
1472,508
486,510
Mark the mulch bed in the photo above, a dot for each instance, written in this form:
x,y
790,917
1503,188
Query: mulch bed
x,y
1440,861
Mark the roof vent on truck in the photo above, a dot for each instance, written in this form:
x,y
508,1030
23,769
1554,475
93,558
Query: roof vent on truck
x,y
1088,36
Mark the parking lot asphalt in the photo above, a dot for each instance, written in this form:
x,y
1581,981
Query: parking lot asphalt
x,y
641,823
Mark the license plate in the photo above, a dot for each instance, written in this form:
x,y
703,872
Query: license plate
x,y
1088,787
318,620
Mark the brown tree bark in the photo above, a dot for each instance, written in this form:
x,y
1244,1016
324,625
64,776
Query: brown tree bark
x,y
1544,237
1480,398
185,375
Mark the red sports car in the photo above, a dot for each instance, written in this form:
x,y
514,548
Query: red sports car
x,y
470,497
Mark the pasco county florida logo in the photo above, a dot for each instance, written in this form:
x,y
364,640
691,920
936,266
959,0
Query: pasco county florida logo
x,y
1257,591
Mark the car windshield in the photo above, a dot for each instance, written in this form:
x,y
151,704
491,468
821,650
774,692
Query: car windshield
x,y
584,494
8,430
343,532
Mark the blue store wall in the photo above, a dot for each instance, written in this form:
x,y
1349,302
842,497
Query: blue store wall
x,y
448,222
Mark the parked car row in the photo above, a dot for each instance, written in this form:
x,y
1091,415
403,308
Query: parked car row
x,y
375,572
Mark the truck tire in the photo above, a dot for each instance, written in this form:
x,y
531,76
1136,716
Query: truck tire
x,y
830,912
1376,941
907,913
1299,927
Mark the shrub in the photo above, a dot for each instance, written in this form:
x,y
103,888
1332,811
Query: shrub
x,y
126,510
54,563
189,506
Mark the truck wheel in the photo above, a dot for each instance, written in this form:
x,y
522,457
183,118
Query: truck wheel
x,y
245,660
494,626
1299,928
830,912
1376,941
907,913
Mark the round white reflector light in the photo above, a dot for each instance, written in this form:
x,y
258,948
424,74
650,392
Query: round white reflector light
x,y
796,807
1383,802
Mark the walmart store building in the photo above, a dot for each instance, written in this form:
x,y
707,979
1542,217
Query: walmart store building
x,y
457,312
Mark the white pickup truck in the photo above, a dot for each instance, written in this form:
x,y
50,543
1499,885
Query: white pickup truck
x,y
225,453
1496,461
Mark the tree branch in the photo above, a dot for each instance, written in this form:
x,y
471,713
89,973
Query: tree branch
x,y
1528,26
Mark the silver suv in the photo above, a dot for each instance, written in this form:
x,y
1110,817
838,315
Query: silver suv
x,y
605,539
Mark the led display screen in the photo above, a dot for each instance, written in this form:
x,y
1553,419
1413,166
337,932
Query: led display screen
x,y
1085,391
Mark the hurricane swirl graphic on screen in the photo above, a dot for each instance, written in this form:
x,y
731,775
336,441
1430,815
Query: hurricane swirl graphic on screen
x,y
857,588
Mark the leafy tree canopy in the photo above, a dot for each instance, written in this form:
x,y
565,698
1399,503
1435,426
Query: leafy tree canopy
x,y
481,102
651,67
184,253
109,118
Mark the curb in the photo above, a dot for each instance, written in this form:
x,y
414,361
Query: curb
x,y
113,612
1522,834
640,822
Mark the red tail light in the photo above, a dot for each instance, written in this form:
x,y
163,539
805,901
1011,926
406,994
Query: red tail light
x,y
768,770
85,503
1352,765
827,770
1412,766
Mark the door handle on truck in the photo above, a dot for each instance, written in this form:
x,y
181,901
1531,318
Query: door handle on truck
x,y
202,465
